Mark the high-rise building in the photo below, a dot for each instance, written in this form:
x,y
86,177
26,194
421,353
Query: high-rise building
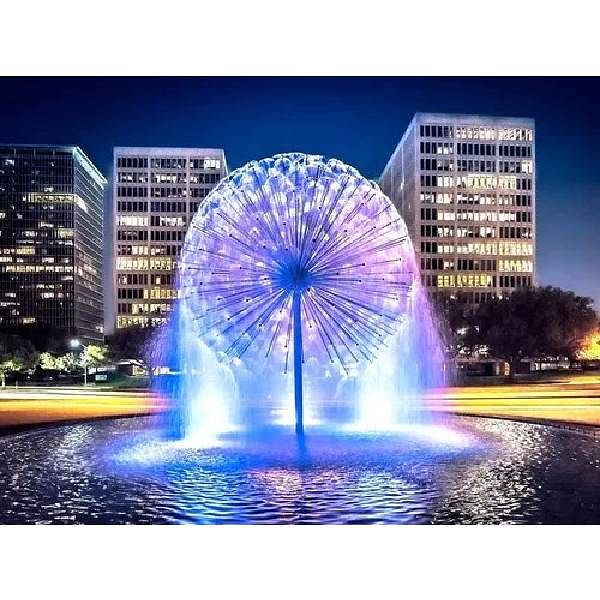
x,y
156,192
51,211
465,185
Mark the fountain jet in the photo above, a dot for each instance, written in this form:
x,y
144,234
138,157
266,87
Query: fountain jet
x,y
300,257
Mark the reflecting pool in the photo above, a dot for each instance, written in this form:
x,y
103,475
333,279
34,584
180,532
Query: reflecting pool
x,y
469,470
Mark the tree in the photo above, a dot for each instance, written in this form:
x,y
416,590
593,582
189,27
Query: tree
x,y
590,349
49,361
15,353
134,343
457,326
44,337
89,356
535,322
92,355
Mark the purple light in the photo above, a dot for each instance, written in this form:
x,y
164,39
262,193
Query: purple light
x,y
298,264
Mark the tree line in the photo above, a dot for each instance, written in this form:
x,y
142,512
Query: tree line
x,y
531,323
536,322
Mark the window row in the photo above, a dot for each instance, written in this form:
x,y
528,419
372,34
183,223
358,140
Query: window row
x,y
132,163
519,265
438,131
168,192
168,178
515,232
514,281
515,166
463,214
437,264
450,281
451,231
490,182
476,149
132,206
453,281
168,163
479,248
132,279
437,164
145,294
132,192
126,263
467,264
132,177
142,192
160,221
154,221
143,278
515,150
132,221
482,166
434,197
436,147
476,133
521,200
145,250
167,235
128,162
123,322
134,235
169,207
137,309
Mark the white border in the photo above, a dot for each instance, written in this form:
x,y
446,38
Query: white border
x,y
317,562
316,37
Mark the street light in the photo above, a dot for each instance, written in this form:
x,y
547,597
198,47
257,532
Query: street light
x,y
75,343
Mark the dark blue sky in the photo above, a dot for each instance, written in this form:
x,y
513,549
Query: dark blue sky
x,y
359,120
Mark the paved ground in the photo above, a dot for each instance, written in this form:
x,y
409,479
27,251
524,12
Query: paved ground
x,y
31,406
573,399
570,398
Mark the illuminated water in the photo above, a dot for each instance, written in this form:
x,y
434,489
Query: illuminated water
x,y
477,471
299,300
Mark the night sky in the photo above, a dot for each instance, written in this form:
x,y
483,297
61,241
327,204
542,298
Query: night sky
x,y
359,120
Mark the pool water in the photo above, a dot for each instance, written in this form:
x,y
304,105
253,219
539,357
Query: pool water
x,y
468,470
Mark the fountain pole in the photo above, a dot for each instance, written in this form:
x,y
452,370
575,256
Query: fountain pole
x,y
297,297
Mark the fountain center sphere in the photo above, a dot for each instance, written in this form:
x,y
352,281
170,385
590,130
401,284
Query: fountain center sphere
x,y
295,277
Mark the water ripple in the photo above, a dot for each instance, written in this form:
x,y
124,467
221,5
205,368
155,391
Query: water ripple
x,y
120,472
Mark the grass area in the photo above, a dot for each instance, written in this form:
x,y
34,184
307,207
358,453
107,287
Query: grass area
x,y
126,382
536,377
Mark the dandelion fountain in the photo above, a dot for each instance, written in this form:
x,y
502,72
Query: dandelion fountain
x,y
297,265
300,348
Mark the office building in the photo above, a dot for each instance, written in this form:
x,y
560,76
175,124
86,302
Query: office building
x,y
465,185
156,192
51,210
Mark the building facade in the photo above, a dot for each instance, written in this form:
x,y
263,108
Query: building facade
x,y
156,192
51,211
465,185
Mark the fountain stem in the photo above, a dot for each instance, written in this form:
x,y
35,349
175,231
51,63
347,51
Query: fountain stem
x,y
296,300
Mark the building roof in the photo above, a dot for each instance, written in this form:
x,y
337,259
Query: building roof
x,y
472,119
171,151
459,119
76,151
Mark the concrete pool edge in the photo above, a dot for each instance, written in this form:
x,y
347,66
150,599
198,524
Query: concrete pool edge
x,y
9,430
576,427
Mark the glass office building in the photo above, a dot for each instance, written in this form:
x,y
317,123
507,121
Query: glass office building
x,y
156,192
465,185
51,211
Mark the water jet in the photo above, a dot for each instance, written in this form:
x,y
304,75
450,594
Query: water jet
x,y
298,264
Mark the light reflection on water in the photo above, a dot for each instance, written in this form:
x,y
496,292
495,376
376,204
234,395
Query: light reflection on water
x,y
478,471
